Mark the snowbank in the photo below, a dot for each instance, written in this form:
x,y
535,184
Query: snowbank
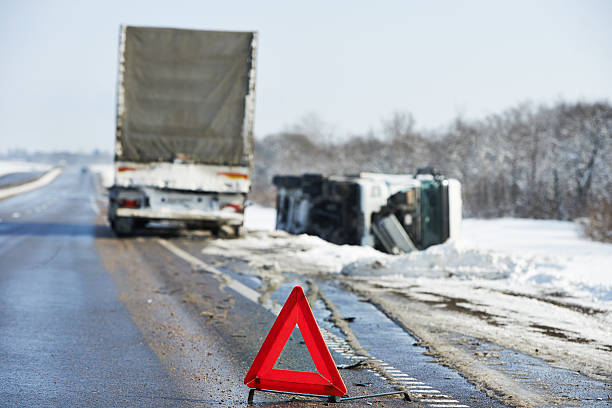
x,y
15,166
259,218
559,253
549,255
33,185
283,252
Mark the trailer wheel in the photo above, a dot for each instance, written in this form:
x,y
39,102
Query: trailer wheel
x,y
225,232
140,223
122,226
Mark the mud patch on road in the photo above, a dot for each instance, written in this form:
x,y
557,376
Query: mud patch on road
x,y
558,333
557,302
453,304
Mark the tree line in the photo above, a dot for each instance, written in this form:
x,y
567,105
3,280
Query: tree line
x,y
547,162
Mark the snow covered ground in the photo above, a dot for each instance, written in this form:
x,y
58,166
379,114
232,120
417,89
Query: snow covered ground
x,y
538,287
551,255
259,218
9,167
16,166
106,172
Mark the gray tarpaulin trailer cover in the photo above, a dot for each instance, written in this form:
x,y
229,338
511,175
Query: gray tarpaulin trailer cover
x,y
185,95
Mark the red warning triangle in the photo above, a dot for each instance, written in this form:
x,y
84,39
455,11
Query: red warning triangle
x,y
263,376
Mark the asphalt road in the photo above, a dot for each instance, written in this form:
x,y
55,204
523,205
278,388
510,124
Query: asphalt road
x,y
87,319
65,338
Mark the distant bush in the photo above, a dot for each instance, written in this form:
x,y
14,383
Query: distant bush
x,y
599,225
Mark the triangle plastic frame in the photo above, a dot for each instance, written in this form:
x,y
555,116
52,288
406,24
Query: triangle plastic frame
x,y
263,376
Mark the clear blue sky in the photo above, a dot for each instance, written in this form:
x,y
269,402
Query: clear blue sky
x,y
351,63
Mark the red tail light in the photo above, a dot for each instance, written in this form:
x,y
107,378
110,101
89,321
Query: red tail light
x,y
236,207
125,203
233,175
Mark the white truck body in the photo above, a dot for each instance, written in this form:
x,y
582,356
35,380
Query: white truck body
x,y
185,108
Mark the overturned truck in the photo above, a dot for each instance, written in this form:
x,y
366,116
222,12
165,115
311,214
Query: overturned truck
x,y
393,213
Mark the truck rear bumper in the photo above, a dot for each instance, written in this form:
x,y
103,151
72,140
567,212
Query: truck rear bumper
x,y
219,217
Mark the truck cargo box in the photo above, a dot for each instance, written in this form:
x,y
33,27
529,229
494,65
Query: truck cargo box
x,y
184,134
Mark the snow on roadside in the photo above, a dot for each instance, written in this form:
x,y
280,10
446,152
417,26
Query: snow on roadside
x,y
105,171
543,254
16,166
535,286
559,252
551,256
283,252
47,178
259,218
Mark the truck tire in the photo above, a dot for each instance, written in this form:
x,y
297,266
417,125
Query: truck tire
x,y
225,232
122,226
140,223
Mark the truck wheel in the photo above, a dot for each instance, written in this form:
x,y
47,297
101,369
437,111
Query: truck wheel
x,y
122,226
140,223
225,232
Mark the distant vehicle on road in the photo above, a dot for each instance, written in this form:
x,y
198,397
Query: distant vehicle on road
x,y
393,213
185,106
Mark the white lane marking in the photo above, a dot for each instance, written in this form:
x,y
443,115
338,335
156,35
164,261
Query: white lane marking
x,y
242,289
439,400
449,406
253,296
